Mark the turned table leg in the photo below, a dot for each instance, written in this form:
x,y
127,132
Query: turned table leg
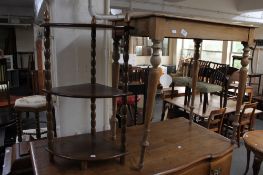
x,y
256,165
248,160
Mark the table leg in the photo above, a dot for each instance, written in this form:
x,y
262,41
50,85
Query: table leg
x,y
248,160
256,165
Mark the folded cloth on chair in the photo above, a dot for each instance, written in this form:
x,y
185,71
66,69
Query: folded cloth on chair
x,y
34,101
3,87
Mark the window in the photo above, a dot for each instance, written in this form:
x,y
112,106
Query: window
x,y
210,50
237,50
142,46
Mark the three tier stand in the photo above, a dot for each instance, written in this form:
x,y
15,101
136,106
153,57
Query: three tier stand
x,y
94,146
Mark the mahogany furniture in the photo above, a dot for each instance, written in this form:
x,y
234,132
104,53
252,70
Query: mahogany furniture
x,y
176,148
254,142
159,26
92,147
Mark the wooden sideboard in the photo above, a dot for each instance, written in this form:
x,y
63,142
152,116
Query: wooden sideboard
x,y
177,147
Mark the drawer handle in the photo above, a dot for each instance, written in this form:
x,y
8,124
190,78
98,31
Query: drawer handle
x,y
216,171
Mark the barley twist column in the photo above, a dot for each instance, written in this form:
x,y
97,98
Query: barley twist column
x,y
153,79
93,76
124,107
194,76
241,88
115,82
48,83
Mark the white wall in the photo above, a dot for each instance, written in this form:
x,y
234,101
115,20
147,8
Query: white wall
x,y
24,39
71,65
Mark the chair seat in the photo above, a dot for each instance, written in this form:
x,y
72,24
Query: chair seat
x,y
130,100
207,87
182,81
33,131
34,101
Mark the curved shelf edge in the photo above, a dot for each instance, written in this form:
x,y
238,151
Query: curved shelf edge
x,y
87,90
83,148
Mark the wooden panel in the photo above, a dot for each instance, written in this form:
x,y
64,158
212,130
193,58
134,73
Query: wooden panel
x,y
175,147
157,26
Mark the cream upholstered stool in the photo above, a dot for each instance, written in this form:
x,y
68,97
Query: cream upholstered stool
x,y
34,103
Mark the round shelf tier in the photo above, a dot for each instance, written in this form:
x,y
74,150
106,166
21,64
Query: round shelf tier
x,y
87,90
85,148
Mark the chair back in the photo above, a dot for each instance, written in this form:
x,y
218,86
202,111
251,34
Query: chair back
x,y
204,70
4,84
3,71
247,115
215,120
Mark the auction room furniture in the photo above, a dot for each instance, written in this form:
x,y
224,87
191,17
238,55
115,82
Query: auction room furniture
x,y
35,104
215,120
176,148
246,120
164,156
254,142
92,147
156,27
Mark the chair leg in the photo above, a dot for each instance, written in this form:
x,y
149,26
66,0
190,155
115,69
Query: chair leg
x,y
163,111
38,134
19,126
238,136
129,109
185,95
201,99
205,102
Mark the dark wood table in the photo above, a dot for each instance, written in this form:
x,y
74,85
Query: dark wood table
x,y
254,142
176,147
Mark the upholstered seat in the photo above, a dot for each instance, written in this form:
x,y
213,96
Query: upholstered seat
x,y
36,104
34,101
182,81
204,87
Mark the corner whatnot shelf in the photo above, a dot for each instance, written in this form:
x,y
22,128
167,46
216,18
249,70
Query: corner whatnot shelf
x,y
86,147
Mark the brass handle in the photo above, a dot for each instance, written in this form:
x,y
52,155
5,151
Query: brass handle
x,y
216,171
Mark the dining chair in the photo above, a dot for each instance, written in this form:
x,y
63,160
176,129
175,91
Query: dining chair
x,y
215,120
246,120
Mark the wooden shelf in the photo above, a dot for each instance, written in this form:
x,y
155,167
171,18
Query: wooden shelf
x,y
87,90
86,148
83,25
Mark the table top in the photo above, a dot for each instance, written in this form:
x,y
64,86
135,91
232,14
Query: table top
x,y
254,139
180,145
214,103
